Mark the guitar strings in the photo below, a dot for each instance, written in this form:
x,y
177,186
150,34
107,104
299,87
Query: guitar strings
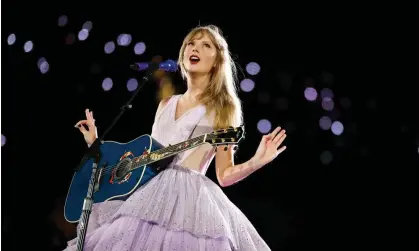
x,y
106,170
109,169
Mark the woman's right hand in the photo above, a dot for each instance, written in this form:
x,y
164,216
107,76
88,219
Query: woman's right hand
x,y
90,135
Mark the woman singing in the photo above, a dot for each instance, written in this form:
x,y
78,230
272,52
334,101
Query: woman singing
x,y
180,208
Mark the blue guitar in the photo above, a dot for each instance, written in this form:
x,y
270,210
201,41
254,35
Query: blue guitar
x,y
124,167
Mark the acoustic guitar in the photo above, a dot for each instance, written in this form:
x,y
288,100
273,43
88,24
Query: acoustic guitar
x,y
124,167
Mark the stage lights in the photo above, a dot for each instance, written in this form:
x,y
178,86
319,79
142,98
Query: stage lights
x,y
264,126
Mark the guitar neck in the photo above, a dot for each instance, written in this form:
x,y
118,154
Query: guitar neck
x,y
167,151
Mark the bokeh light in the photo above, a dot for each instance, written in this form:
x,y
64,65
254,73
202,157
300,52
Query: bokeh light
x,y
328,104
107,84
252,68
325,123
28,46
337,128
310,94
62,20
3,140
43,65
132,84
40,61
88,25
264,126
247,85
124,39
139,48
83,34
109,47
326,93
11,39
326,157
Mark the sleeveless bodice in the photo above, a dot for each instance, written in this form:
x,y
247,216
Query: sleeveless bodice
x,y
167,130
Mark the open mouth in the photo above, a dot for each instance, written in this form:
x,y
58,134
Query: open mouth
x,y
194,59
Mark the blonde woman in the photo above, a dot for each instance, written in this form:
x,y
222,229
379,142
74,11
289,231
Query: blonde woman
x,y
180,208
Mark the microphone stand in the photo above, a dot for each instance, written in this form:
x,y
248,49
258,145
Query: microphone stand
x,y
94,152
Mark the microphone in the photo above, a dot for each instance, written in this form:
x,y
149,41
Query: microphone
x,y
168,65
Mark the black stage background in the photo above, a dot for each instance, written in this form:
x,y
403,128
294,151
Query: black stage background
x,y
317,194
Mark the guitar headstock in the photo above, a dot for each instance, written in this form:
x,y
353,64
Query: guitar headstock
x,y
228,136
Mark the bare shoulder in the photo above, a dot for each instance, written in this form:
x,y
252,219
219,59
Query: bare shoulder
x,y
163,103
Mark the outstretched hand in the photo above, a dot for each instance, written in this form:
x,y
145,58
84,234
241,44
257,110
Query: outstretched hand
x,y
268,147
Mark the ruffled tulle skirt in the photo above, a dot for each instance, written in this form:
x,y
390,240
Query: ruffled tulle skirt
x,y
178,209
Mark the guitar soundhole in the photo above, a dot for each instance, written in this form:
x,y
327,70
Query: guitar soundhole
x,y
123,168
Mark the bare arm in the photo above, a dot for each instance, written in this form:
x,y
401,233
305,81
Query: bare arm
x,y
227,172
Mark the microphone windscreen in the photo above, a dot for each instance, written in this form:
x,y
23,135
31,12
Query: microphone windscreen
x,y
168,65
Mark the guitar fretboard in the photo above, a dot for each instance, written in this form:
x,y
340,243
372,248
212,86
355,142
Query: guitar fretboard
x,y
167,152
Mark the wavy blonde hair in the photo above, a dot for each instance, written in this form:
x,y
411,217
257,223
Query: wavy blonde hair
x,y
220,96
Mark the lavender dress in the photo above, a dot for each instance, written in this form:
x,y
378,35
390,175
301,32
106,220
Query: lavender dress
x,y
180,208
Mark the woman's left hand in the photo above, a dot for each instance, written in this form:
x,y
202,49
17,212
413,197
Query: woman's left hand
x,y
268,147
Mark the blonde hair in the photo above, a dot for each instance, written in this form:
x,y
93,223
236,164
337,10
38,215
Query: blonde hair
x,y
220,96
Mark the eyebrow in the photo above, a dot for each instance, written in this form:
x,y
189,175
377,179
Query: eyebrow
x,y
203,41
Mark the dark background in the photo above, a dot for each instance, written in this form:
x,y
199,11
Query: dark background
x,y
297,202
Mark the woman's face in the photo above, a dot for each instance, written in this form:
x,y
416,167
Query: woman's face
x,y
200,55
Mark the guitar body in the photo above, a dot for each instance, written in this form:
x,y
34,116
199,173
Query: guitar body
x,y
124,167
112,185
